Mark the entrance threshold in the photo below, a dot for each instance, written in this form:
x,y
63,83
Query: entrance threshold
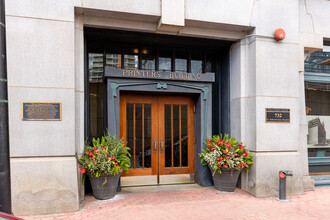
x,y
162,188
151,180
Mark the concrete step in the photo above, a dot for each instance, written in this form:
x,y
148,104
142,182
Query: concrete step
x,y
322,180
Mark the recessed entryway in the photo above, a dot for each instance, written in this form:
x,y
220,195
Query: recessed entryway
x,y
160,132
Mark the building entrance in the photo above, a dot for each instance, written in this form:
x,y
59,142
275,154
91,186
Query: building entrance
x,y
159,130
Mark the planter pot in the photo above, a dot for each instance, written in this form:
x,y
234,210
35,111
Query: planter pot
x,y
226,181
104,191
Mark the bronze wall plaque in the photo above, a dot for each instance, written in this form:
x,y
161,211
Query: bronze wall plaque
x,y
41,111
277,115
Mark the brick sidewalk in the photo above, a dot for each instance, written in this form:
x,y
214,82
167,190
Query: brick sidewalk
x,y
201,204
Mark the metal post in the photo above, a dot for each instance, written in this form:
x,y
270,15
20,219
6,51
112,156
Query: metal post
x,y
282,184
5,192
282,189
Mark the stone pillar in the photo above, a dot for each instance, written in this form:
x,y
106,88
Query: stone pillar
x,y
265,74
41,57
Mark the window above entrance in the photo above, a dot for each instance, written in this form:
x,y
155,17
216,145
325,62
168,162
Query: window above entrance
x,y
141,51
141,58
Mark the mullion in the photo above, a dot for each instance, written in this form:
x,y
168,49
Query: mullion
x,y
134,137
172,160
142,135
180,135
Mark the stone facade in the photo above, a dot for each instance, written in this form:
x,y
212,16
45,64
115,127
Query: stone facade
x,y
45,50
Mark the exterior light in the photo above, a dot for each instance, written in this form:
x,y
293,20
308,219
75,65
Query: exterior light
x,y
135,50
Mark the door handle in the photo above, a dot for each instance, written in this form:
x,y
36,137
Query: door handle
x,y
155,145
161,146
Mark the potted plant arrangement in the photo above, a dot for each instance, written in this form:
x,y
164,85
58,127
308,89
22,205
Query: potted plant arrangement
x,y
225,157
104,162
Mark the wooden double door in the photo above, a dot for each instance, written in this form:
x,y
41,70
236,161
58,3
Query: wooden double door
x,y
159,130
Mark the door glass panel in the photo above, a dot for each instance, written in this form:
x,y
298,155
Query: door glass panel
x,y
176,137
129,129
138,117
168,136
184,135
147,135
138,135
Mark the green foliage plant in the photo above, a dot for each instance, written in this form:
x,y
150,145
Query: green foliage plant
x,y
107,155
222,152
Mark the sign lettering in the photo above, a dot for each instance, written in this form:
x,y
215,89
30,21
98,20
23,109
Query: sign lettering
x,y
277,115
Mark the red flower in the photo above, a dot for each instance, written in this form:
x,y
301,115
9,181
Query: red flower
x,y
211,148
79,166
113,157
226,142
109,158
82,170
118,166
241,148
225,151
241,144
208,145
225,166
91,153
245,155
208,141
220,142
116,163
86,152
228,145
235,154
220,166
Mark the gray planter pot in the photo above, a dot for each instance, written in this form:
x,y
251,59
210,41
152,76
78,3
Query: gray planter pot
x,y
104,191
226,181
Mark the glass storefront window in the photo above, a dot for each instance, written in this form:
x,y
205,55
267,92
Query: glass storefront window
x,y
95,67
148,59
165,60
181,61
317,95
197,58
131,59
313,60
196,66
210,62
113,58
95,71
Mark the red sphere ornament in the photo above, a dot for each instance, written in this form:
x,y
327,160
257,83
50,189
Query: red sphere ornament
x,y
279,34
